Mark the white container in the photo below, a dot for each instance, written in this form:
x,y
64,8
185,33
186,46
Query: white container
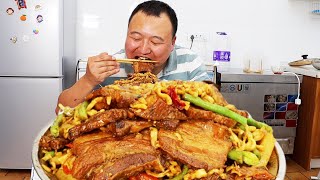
x,y
221,52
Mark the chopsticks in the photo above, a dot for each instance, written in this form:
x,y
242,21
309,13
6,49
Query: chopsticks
x,y
131,61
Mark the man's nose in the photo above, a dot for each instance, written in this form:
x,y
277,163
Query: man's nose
x,y
145,47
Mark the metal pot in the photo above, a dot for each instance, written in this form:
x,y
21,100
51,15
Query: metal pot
x,y
44,176
316,63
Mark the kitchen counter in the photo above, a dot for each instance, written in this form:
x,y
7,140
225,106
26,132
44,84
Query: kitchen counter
x,y
307,70
307,145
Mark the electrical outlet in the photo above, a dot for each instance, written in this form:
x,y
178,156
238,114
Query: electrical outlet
x,y
198,37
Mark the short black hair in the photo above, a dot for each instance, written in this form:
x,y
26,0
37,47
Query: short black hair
x,y
155,8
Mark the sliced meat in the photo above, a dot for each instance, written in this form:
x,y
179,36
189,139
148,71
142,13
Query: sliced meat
x,y
125,127
48,142
142,67
254,172
120,98
97,121
114,159
200,144
160,110
167,124
128,166
201,114
81,141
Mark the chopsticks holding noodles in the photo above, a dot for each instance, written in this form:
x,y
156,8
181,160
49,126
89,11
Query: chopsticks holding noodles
x,y
131,61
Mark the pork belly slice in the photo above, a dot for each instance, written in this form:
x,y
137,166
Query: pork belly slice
x,y
200,144
159,110
142,67
125,127
97,121
121,98
201,114
110,158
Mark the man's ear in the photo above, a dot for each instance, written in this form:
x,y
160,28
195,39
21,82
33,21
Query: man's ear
x,y
173,42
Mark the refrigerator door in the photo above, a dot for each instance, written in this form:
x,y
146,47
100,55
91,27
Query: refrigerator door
x,y
252,98
38,47
27,105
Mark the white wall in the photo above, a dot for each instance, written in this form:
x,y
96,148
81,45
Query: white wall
x,y
280,30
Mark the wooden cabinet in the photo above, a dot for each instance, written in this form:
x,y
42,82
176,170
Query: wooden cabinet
x,y
307,142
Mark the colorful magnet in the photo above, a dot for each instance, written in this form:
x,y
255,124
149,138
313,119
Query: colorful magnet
x,y
14,39
10,11
21,4
26,38
23,17
39,18
37,7
35,31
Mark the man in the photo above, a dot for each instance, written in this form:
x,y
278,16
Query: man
x,y
151,34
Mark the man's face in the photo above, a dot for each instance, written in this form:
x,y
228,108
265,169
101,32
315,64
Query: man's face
x,y
151,37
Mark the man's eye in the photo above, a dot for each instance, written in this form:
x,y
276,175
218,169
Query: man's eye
x,y
136,38
156,43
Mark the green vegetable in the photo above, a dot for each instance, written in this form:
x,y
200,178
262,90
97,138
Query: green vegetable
x,y
83,110
225,112
243,156
182,174
54,129
257,153
48,155
259,125
236,156
215,108
250,158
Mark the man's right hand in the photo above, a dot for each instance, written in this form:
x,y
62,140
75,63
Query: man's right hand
x,y
101,67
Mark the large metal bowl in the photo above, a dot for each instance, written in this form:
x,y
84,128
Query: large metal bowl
x,y
44,176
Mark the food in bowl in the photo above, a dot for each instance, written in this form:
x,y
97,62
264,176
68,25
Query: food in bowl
x,y
165,130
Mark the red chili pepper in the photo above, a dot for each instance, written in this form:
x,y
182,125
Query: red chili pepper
x,y
143,176
66,169
70,145
176,101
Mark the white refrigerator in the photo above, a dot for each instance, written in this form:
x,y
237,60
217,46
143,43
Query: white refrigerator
x,y
30,75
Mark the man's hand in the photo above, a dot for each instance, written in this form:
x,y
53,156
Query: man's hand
x,y
100,67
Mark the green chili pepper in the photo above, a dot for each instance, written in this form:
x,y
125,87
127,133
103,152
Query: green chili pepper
x,y
54,129
182,174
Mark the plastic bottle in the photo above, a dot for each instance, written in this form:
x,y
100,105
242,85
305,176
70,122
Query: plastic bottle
x,y
221,53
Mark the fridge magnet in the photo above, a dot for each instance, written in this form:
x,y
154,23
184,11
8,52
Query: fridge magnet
x,y
281,98
14,39
10,11
21,4
37,8
35,31
291,98
281,107
26,38
292,106
269,107
292,115
269,98
23,17
39,18
280,115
